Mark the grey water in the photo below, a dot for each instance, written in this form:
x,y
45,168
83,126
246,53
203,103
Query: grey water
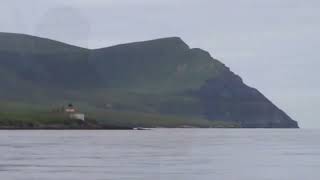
x,y
168,154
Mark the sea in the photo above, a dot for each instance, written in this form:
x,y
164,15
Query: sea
x,y
160,154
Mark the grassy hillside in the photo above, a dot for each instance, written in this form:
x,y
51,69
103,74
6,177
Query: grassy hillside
x,y
20,43
163,78
148,77
164,65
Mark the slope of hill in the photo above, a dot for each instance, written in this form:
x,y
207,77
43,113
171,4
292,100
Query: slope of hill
x,y
22,43
160,77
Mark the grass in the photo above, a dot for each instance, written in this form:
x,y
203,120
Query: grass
x,y
101,119
134,119
30,120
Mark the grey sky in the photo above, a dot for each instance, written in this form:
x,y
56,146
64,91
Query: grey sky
x,y
272,44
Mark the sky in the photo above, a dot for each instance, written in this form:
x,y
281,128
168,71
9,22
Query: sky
x,y
272,44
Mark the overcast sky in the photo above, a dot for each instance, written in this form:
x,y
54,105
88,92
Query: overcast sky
x,y
272,44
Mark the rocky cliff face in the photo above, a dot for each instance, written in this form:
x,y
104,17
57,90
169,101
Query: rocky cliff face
x,y
227,97
163,76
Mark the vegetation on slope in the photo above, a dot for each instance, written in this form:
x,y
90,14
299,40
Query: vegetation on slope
x,y
163,77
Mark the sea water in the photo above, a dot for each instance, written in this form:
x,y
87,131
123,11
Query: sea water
x,y
167,154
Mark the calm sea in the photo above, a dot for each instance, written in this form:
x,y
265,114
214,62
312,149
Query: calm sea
x,y
166,154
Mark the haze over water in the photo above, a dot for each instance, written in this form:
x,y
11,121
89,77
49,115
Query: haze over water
x,y
169,154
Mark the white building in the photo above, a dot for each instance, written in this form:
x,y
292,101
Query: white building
x,y
73,114
77,116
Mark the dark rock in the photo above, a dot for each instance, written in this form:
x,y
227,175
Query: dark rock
x,y
227,98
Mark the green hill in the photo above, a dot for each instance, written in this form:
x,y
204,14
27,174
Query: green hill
x,y
162,77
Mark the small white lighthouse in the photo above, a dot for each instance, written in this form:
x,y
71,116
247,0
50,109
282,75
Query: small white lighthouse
x,y
70,109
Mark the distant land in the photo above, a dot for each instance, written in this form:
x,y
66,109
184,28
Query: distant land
x,y
157,83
